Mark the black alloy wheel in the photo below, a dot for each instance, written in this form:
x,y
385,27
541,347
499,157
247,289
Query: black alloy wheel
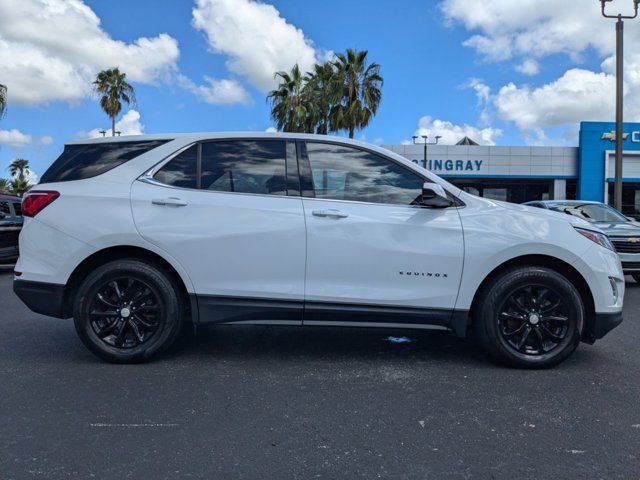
x,y
127,311
533,320
529,317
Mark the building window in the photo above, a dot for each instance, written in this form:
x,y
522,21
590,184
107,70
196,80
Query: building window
x,y
572,189
507,190
630,198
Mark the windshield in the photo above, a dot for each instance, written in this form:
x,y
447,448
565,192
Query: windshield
x,y
591,212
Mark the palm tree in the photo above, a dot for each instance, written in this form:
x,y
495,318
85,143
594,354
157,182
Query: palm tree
x,y
361,91
112,85
320,85
290,106
4,185
19,186
19,168
3,100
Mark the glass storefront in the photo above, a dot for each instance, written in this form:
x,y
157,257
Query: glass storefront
x,y
630,198
507,190
572,190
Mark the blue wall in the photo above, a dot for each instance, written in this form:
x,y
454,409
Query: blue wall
x,y
591,160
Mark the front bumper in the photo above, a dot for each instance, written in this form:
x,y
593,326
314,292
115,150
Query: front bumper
x,y
41,297
600,325
630,262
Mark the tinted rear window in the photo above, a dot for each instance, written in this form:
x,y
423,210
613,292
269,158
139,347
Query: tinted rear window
x,y
182,170
18,208
245,166
89,160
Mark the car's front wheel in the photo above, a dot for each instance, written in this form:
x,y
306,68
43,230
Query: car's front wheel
x,y
530,317
126,311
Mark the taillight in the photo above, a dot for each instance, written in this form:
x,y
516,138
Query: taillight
x,y
36,200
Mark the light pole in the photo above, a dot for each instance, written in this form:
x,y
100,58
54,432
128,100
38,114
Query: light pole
x,y
617,188
426,144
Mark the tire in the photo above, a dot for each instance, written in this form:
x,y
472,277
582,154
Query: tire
x,y
636,277
514,306
127,311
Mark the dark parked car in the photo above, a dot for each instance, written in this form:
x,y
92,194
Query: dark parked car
x,y
10,226
624,232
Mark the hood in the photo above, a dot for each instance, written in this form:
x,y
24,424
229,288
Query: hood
x,y
542,212
623,229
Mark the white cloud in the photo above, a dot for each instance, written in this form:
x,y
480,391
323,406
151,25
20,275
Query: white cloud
x,y
256,39
46,140
15,138
217,92
527,31
50,50
32,177
452,133
528,67
271,130
129,124
578,94
533,27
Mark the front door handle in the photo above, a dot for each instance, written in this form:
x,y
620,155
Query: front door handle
x,y
171,201
332,213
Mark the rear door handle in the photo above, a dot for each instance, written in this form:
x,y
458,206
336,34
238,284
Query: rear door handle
x,y
171,201
332,213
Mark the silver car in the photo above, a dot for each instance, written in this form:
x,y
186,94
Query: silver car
x,y
624,232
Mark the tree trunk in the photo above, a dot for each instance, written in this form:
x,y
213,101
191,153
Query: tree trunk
x,y
351,132
113,126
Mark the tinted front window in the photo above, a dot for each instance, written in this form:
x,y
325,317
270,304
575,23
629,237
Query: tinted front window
x,y
181,171
4,208
592,212
244,166
89,160
345,173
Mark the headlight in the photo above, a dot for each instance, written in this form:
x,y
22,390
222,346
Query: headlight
x,y
599,238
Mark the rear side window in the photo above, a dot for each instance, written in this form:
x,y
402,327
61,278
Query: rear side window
x,y
18,209
78,162
241,166
245,166
181,171
4,208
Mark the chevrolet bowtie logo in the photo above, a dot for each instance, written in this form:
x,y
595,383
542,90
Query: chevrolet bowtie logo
x,y
612,136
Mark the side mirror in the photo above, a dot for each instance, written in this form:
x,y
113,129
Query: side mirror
x,y
434,196
631,219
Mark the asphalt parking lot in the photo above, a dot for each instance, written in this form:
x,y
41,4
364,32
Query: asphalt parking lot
x,y
258,403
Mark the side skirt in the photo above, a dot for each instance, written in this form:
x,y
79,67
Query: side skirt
x,y
260,311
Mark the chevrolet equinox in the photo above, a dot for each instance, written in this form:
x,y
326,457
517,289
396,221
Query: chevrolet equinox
x,y
134,236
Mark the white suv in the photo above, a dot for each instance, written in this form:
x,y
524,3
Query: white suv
x,y
135,235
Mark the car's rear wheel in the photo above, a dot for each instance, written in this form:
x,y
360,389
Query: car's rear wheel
x,y
530,317
636,277
126,311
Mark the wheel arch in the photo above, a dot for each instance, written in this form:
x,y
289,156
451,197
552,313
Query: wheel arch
x,y
129,252
553,263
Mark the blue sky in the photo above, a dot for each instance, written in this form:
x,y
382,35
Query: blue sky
x,y
505,74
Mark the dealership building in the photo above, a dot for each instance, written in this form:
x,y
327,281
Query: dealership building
x,y
520,174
